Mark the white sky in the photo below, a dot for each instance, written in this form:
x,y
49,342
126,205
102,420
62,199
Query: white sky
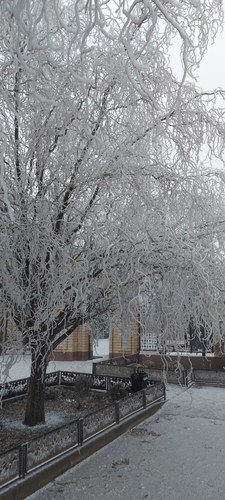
x,y
211,73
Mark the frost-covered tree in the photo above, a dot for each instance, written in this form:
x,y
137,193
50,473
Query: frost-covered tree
x,y
100,192
185,280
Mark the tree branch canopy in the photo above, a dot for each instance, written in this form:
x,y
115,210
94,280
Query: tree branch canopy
x,y
105,196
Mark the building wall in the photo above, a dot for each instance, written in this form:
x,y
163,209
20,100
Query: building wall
x,y
116,346
77,347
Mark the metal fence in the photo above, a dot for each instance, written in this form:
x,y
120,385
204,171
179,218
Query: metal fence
x,y
17,462
214,377
99,382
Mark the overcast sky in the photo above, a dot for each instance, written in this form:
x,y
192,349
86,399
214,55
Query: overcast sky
x,y
211,73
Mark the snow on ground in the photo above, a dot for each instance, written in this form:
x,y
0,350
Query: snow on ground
x,y
21,368
178,453
52,419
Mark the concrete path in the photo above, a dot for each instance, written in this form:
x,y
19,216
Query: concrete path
x,y
177,454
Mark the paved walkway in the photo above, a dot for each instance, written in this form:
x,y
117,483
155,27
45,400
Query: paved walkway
x,y
178,453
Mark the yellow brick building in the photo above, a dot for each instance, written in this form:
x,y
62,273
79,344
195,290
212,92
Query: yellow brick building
x,y
78,346
120,346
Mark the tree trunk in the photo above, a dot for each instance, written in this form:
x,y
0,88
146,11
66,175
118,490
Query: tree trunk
x,y
35,408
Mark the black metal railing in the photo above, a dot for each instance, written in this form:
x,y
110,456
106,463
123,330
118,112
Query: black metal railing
x,y
99,382
17,462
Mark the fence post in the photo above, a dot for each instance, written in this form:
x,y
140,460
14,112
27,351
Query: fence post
x,y
80,431
117,412
164,391
22,460
144,398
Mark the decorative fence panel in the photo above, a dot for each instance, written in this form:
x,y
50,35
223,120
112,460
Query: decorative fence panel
x,y
125,382
69,378
155,374
52,379
99,382
9,462
154,393
98,421
96,381
51,444
172,377
209,376
130,404
175,377
14,388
